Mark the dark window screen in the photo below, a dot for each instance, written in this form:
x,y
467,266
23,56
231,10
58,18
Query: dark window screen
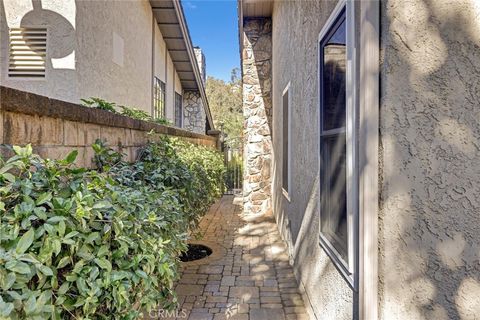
x,y
285,143
158,98
178,110
333,195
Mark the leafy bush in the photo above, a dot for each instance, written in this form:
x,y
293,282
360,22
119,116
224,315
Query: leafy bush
x,y
99,104
125,111
195,172
99,244
135,113
162,121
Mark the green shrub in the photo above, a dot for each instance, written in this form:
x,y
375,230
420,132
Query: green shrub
x,y
194,172
125,111
135,113
99,244
99,104
162,121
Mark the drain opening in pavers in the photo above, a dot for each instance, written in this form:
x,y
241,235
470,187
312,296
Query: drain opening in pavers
x,y
195,252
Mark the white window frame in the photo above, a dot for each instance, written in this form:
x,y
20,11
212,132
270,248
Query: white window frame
x,y
346,268
368,115
286,193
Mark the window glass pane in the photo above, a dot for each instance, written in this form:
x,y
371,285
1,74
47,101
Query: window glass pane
x,y
334,193
334,67
158,98
178,110
285,143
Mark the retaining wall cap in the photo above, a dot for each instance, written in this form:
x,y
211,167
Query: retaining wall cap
x,y
18,101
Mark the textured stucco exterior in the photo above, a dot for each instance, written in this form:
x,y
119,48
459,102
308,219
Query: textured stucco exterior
x,y
88,68
430,174
429,226
170,90
296,25
159,54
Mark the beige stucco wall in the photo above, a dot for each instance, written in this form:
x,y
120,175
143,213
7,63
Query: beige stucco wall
x,y
429,233
160,53
178,84
430,173
296,25
177,89
62,20
80,50
169,96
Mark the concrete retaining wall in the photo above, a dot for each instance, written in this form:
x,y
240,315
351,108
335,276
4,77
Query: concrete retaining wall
x,y
54,128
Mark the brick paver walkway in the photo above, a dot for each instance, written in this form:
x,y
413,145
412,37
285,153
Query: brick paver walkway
x,y
251,280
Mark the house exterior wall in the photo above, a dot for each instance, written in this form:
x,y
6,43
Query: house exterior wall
x,y
81,50
429,152
296,26
160,55
430,174
169,94
178,84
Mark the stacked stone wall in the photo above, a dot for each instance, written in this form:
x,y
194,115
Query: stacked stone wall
x,y
257,111
194,117
55,128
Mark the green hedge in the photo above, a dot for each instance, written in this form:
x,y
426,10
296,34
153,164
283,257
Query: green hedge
x,y
99,244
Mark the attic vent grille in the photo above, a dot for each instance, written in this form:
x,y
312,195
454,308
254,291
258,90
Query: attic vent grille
x,y
28,50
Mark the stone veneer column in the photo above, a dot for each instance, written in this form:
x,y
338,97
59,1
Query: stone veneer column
x,y
194,117
257,111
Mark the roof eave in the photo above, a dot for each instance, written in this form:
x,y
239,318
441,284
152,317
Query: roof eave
x,y
193,59
173,9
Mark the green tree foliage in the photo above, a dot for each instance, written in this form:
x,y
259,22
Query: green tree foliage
x,y
225,100
99,244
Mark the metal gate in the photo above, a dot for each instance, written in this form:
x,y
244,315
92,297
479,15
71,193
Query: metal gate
x,y
234,173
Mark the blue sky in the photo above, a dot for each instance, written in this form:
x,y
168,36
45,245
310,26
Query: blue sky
x,y
213,27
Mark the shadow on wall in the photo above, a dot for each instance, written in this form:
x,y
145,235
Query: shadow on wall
x,y
61,34
430,133
429,234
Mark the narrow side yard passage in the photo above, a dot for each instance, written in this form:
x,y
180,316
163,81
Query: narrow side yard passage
x,y
248,277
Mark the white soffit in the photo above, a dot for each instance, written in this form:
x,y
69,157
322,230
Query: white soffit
x,y
257,8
